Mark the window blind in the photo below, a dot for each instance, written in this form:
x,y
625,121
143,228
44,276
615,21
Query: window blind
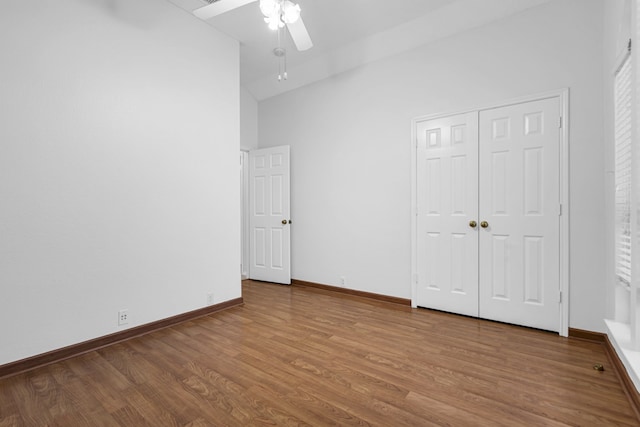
x,y
623,165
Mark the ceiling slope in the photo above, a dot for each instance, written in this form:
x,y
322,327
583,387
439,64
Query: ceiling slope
x,y
361,32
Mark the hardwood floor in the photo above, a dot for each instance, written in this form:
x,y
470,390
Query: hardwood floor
x,y
304,356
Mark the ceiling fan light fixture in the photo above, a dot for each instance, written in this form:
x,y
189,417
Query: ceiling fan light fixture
x,y
274,22
290,12
269,7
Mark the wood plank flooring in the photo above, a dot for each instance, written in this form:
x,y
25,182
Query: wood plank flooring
x,y
304,356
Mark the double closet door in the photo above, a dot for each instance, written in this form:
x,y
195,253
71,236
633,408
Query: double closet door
x,y
488,206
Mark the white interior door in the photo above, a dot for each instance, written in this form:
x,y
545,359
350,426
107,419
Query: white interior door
x,y
520,203
447,205
269,220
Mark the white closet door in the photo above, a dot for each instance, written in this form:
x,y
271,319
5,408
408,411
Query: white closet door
x,y
519,201
270,236
447,202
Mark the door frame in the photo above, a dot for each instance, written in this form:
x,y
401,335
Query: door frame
x,y
563,97
244,214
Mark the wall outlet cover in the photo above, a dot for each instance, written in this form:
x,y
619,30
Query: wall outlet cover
x,y
123,317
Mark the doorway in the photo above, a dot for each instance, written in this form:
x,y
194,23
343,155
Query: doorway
x,y
266,220
244,214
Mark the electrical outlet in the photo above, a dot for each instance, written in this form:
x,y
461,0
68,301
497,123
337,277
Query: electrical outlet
x,y
123,317
210,298
343,281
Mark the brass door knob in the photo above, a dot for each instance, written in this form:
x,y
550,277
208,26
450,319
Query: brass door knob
x,y
484,224
473,224
284,222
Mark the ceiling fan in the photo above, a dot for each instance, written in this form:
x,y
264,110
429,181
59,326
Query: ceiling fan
x,y
278,13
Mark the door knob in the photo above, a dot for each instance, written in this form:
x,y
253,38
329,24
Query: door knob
x,y
473,224
484,224
284,222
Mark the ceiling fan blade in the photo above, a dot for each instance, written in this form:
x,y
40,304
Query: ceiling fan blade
x,y
300,35
219,7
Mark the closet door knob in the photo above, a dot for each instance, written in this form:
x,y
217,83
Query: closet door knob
x,y
473,224
484,224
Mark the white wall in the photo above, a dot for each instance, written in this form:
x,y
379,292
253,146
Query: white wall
x,y
248,120
350,145
119,136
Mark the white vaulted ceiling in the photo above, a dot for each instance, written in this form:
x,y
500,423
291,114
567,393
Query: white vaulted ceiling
x,y
347,34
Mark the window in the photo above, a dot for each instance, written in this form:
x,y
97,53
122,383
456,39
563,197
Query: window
x,y
623,162
624,329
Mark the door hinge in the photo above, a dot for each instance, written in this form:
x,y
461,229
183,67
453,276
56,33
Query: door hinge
x,y
560,296
415,278
560,209
560,122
